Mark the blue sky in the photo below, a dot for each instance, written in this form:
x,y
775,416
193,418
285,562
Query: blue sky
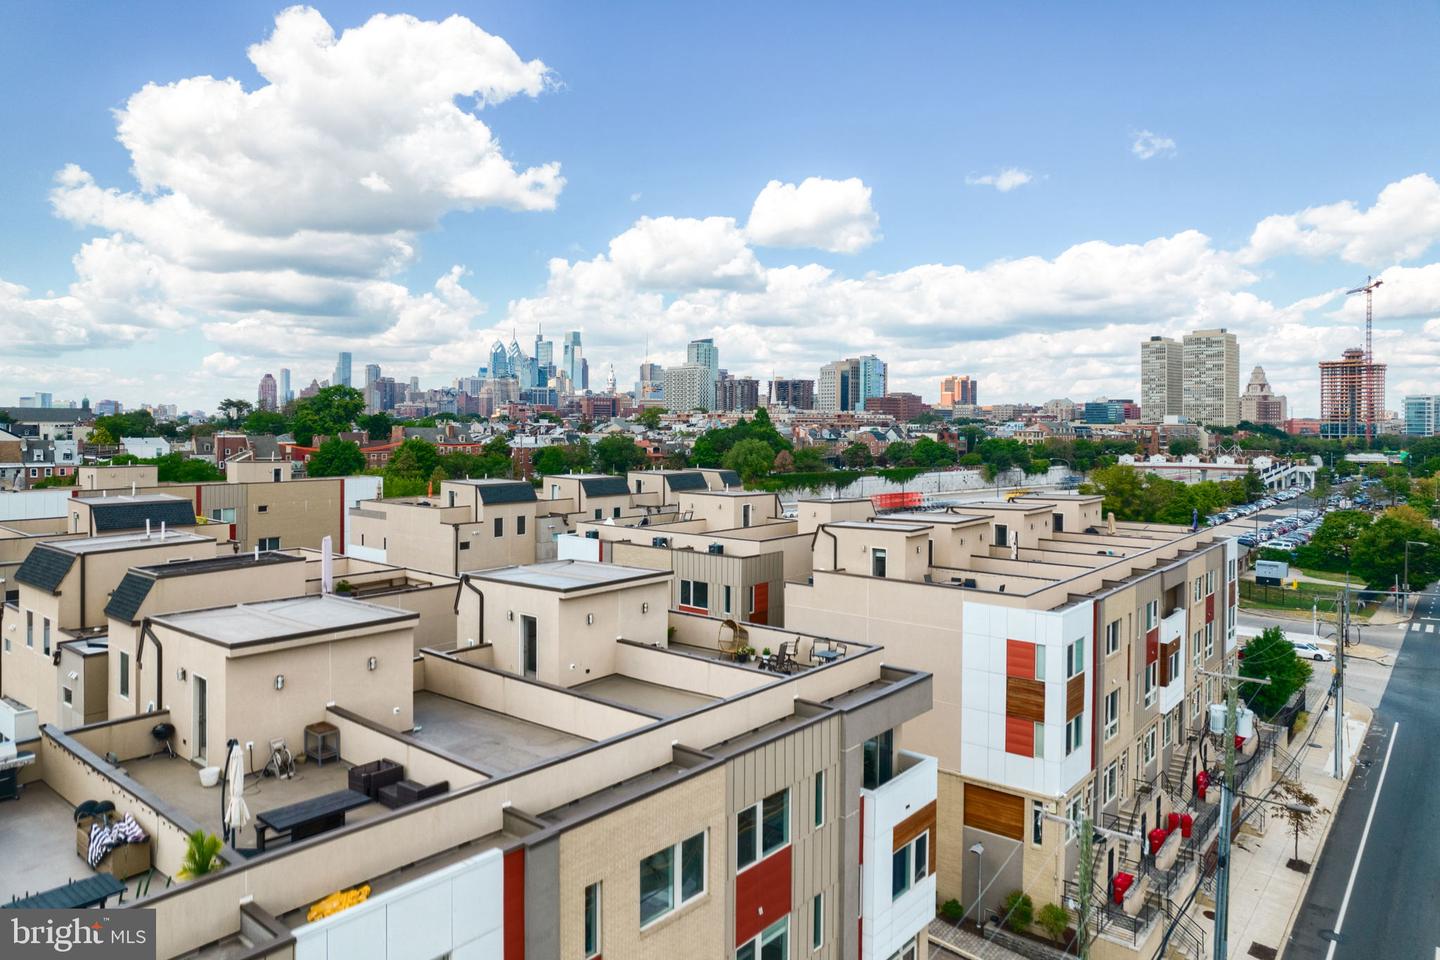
x,y
687,112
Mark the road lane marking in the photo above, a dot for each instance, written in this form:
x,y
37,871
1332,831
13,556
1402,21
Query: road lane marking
x,y
1364,836
1429,628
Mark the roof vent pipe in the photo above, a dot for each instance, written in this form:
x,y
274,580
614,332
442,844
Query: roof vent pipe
x,y
147,528
162,529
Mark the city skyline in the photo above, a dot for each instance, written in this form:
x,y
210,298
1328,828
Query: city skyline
x,y
795,256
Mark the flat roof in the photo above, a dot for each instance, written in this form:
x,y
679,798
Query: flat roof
x,y
706,492
271,621
1032,506
568,575
235,561
877,524
111,500
920,516
126,541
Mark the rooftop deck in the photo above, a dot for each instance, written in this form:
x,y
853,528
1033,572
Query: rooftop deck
x,y
653,698
494,742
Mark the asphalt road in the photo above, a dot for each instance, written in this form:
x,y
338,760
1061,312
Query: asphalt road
x,y
1378,879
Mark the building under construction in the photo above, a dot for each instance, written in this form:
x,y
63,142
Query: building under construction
x,y
1352,395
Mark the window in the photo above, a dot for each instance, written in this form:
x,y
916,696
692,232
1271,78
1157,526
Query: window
x,y
1112,713
1039,741
909,865
1074,810
695,593
268,543
1209,582
1110,785
1037,822
520,526
817,922
1175,666
262,509
663,887
223,514
1149,753
772,816
125,674
499,526
45,635
599,513
726,603
1195,647
750,599
1199,584
67,695
616,514
1230,573
1152,615
1112,637
879,758
464,544
1074,733
772,944
1152,677
1167,729
877,562
1209,639
30,628
1074,658
1194,703
1002,535
820,798
592,921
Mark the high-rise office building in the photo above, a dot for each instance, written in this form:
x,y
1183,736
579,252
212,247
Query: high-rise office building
x,y
499,361
705,353
737,393
957,391
1352,395
651,384
544,359
372,376
793,394
267,398
1259,404
1162,379
342,371
286,394
845,385
1212,378
690,386
1422,415
572,360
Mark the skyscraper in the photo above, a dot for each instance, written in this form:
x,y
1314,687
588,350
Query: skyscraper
x,y
1212,378
737,393
1162,379
957,391
1352,394
1422,415
266,400
372,376
1259,404
342,371
690,386
793,394
651,382
499,361
286,394
572,357
705,353
845,385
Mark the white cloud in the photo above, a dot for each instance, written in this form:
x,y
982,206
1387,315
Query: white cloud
x,y
1004,180
675,253
294,204
1402,224
833,215
1148,145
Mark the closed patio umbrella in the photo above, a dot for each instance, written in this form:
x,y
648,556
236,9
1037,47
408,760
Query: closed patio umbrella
x,y
236,813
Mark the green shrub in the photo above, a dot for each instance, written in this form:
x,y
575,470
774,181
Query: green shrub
x,y
1054,920
952,910
1019,911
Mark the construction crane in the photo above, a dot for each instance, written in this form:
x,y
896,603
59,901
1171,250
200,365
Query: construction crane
x,y
1368,376
1371,284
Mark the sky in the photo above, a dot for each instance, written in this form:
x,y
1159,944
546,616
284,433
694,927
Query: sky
x,y
194,195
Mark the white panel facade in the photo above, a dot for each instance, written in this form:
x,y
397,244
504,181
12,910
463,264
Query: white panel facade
x,y
1173,628
890,922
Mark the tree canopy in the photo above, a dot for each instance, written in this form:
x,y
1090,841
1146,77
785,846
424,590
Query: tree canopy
x,y
618,453
177,468
712,445
1271,656
336,458
750,458
331,411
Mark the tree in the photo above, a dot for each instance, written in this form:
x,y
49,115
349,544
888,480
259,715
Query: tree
x,y
1397,484
101,436
649,417
202,856
618,453
330,411
235,410
1334,540
931,455
1184,446
266,421
1378,556
784,462
550,460
414,458
437,477
376,425
336,458
810,460
751,459
857,455
1302,809
1271,656
899,454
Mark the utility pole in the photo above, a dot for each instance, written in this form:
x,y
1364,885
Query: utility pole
x,y
1085,832
1227,806
1339,771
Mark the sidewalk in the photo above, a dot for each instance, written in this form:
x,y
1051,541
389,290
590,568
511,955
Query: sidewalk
x,y
1265,894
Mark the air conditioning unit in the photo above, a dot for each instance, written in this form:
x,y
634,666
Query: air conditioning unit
x,y
715,548
592,534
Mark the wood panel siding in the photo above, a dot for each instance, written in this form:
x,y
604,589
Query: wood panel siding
x,y
993,810
1167,651
1025,699
1075,696
1020,659
919,822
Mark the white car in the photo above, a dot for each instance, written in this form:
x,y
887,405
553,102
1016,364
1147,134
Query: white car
x,y
1310,650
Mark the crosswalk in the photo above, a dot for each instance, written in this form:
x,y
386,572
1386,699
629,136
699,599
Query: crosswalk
x,y
1418,627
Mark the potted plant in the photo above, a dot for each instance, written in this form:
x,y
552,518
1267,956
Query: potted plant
x,y
744,654
344,586
202,856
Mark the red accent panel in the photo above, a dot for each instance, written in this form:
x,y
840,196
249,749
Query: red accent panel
x,y
199,500
1020,736
1210,608
862,831
1020,659
1095,658
340,536
684,609
761,613
515,904
1152,646
762,895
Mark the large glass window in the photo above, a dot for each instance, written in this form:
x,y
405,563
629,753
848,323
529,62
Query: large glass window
x,y
772,816
1074,658
820,798
877,563
695,593
1112,713
879,760
909,865
1074,733
124,674
817,922
772,944
592,921
1112,637
664,885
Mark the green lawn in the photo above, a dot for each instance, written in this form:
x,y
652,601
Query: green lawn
x,y
1330,575
1308,596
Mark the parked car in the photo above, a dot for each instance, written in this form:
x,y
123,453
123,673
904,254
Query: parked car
x,y
1310,650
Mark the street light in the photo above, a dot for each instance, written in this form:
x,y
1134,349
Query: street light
x,y
1408,545
979,850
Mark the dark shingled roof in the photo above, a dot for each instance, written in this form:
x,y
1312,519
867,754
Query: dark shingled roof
x,y
687,481
516,492
126,600
604,486
45,567
729,477
122,515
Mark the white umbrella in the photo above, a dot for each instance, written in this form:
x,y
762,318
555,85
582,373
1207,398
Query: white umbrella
x,y
237,814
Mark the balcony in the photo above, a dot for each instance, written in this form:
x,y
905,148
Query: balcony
x,y
898,855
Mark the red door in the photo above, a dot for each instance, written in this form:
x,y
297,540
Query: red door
x,y
761,613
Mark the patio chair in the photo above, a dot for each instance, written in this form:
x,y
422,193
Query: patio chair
x,y
786,658
739,638
369,778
